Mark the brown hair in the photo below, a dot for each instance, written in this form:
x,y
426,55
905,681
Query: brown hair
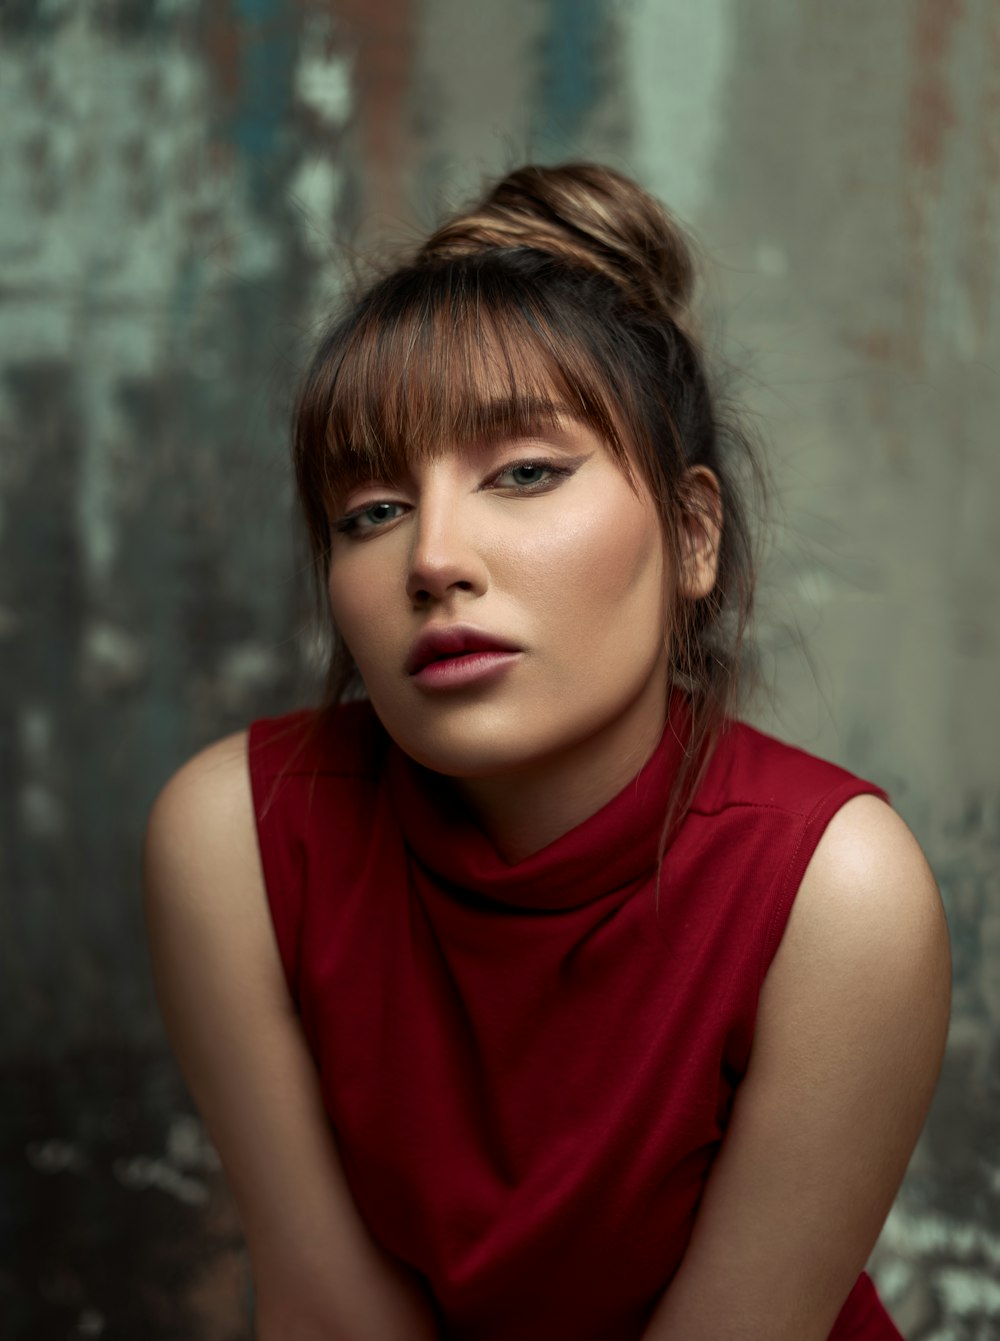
x,y
563,287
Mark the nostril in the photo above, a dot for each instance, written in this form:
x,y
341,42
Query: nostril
x,y
421,595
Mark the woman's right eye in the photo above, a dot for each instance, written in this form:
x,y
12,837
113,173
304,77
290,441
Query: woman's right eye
x,y
352,523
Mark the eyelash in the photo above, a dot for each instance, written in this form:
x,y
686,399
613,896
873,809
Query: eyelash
x,y
348,524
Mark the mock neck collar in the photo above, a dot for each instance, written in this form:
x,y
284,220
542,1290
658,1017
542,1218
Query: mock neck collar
x,y
610,849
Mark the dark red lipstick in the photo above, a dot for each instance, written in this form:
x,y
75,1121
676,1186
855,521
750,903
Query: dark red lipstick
x,y
455,641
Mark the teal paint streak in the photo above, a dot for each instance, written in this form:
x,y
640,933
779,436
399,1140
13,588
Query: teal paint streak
x,y
571,68
184,295
258,11
267,58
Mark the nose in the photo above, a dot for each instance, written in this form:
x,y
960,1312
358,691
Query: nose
x,y
444,556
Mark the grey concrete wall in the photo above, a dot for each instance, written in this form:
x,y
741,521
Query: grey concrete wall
x,y
180,183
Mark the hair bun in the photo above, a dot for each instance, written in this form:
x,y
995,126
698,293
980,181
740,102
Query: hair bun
x,y
590,216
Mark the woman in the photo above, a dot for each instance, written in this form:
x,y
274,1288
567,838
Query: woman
x,y
525,991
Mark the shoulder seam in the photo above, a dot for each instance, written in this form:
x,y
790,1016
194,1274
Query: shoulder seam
x,y
748,805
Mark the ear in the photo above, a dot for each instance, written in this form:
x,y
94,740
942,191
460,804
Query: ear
x,y
701,531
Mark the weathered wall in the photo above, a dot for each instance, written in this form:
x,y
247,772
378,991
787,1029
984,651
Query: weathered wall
x,y
179,185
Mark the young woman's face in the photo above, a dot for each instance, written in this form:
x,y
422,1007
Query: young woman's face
x,y
537,541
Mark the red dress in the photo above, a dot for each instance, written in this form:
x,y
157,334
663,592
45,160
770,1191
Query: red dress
x,y
528,1072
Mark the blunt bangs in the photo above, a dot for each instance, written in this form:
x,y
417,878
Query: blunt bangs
x,y
461,352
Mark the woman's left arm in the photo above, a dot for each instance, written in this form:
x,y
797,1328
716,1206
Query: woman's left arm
x,y
849,1039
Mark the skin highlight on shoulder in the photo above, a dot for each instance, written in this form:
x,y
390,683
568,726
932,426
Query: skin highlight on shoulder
x,y
217,774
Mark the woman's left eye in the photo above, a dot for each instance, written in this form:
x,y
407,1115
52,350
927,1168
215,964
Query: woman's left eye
x,y
543,466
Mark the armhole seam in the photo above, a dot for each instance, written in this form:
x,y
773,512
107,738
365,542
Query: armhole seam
x,y
282,917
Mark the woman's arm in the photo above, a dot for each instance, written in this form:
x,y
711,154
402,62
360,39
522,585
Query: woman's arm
x,y
318,1273
850,1035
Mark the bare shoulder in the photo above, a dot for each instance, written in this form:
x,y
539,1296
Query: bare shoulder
x,y
202,877
866,838
210,790
201,832
864,967
869,902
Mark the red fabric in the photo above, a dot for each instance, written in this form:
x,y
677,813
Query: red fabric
x,y
529,1071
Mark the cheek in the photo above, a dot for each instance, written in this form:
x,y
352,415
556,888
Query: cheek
x,y
604,561
354,592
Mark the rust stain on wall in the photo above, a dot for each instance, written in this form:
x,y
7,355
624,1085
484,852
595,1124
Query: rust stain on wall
x,y
381,39
932,109
980,276
931,117
221,45
949,185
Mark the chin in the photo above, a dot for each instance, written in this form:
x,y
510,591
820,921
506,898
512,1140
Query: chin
x,y
464,754
486,740
470,740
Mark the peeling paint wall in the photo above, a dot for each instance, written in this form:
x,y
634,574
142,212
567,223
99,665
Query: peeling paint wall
x,y
181,187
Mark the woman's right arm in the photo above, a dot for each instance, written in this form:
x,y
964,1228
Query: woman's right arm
x,y
319,1275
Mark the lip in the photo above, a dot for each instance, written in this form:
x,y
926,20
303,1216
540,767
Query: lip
x,y
455,641
471,668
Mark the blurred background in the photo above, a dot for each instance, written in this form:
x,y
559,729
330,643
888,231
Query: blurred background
x,y
182,186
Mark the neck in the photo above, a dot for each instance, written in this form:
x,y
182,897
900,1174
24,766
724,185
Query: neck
x,y
525,810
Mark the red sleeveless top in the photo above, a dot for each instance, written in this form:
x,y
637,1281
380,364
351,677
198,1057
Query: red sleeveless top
x,y
528,1071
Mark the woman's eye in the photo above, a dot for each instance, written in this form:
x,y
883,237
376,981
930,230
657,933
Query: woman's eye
x,y
532,467
354,521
